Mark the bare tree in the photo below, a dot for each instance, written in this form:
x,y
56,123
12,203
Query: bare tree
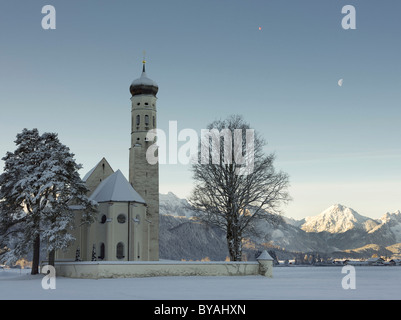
x,y
235,181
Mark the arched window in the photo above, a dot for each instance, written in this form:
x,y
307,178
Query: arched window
x,y
102,251
138,120
154,122
146,120
103,219
120,250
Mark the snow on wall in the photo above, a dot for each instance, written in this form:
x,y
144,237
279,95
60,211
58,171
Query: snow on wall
x,y
129,269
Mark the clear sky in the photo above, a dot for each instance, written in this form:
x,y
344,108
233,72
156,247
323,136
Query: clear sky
x,y
275,62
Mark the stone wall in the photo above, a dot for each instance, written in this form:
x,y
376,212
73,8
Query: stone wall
x,y
130,269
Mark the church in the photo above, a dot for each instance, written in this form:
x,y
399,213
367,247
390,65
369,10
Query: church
x,y
127,226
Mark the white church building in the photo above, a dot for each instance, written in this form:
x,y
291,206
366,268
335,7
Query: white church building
x,y
127,226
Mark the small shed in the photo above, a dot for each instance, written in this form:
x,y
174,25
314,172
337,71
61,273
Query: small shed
x,y
395,262
375,261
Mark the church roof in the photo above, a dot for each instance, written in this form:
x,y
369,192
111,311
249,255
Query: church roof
x,y
116,188
144,85
265,256
88,174
91,171
144,80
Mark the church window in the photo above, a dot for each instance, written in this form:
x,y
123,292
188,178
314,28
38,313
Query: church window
x,y
138,104
121,218
154,121
146,104
138,120
146,120
120,250
102,251
103,219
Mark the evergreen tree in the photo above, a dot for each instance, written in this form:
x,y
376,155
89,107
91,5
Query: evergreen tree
x,y
39,183
19,204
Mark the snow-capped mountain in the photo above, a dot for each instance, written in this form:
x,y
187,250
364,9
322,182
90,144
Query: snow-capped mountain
x,y
337,231
337,219
394,217
393,221
170,204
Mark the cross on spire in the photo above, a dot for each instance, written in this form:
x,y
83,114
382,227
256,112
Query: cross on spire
x,y
144,61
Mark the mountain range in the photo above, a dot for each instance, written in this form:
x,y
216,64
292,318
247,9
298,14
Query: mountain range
x,y
337,232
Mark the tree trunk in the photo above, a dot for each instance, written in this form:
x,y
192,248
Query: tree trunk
x,y
234,245
52,255
36,255
234,249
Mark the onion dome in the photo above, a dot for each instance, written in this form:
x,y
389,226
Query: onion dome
x,y
144,85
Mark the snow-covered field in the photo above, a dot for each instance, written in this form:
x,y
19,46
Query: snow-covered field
x,y
287,283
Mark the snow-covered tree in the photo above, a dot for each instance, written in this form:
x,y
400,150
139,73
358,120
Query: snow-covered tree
x,y
229,195
39,183
61,185
17,198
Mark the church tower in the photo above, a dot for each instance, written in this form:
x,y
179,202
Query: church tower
x,y
144,177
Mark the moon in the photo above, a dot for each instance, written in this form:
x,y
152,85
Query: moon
x,y
340,82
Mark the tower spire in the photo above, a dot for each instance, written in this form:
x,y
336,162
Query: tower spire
x,y
144,61
143,85
143,176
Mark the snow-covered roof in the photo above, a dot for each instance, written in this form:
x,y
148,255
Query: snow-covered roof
x,y
85,178
116,188
265,256
89,173
374,259
143,85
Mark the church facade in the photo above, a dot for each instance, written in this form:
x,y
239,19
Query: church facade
x,y
127,226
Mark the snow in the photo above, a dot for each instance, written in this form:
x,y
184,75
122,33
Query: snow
x,y
163,261
170,204
116,188
88,174
265,256
395,216
287,283
335,219
277,234
396,230
394,221
144,80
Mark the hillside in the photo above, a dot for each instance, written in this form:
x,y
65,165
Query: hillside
x,y
337,231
